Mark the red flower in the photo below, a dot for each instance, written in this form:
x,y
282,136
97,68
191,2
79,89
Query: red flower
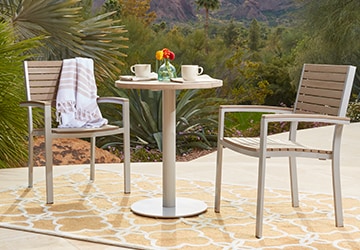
x,y
172,55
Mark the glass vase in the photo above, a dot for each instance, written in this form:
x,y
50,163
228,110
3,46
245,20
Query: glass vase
x,y
166,71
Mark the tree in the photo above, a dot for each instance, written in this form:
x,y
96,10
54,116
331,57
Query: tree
x,y
332,34
139,9
330,25
207,5
231,34
254,36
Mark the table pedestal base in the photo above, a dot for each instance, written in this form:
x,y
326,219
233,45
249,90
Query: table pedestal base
x,y
185,207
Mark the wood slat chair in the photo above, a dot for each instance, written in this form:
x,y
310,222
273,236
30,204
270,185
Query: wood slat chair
x,y
323,96
41,84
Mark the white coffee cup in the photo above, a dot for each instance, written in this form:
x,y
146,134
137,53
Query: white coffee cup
x,y
191,72
141,70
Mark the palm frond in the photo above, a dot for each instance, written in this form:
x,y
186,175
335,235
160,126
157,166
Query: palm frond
x,y
67,33
13,123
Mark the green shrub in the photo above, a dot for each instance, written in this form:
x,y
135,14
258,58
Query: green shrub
x,y
13,119
353,111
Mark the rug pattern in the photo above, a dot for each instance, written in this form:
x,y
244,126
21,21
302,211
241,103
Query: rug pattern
x,y
100,212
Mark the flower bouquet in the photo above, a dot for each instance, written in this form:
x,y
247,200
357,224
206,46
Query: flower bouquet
x,y
166,71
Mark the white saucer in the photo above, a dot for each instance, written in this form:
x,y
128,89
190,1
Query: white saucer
x,y
153,76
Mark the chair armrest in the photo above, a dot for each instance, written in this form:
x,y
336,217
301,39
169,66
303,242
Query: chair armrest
x,y
39,104
115,100
255,108
124,102
305,118
296,118
246,108
46,106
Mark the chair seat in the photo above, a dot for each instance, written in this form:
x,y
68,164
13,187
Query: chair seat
x,y
81,132
253,144
84,130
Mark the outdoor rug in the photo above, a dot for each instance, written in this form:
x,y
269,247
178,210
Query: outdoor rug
x,y
100,212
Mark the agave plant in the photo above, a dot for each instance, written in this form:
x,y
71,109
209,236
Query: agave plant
x,y
195,119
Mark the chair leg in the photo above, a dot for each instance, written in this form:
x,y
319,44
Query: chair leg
x,y
335,164
294,182
218,177
127,175
339,221
260,197
48,156
126,139
49,170
92,158
31,162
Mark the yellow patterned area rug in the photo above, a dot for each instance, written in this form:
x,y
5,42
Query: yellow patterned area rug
x,y
100,212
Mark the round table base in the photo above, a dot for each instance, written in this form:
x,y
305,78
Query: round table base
x,y
185,207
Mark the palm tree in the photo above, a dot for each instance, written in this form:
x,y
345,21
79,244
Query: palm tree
x,y
207,5
69,31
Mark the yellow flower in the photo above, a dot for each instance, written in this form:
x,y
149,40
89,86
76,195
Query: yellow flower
x,y
159,55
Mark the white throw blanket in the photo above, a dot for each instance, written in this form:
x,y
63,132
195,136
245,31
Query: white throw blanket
x,y
76,105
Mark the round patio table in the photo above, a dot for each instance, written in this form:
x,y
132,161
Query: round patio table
x,y
169,206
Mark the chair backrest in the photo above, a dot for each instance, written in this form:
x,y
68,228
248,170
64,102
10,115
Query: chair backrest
x,y
325,89
41,80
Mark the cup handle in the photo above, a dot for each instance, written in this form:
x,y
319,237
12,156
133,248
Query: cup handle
x,y
132,68
200,70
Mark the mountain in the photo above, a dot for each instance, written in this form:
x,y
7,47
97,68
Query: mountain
x,y
175,11
166,10
241,10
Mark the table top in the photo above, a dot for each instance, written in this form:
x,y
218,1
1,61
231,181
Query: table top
x,y
157,85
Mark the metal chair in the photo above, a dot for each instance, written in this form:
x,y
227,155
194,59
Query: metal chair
x,y
41,84
323,96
